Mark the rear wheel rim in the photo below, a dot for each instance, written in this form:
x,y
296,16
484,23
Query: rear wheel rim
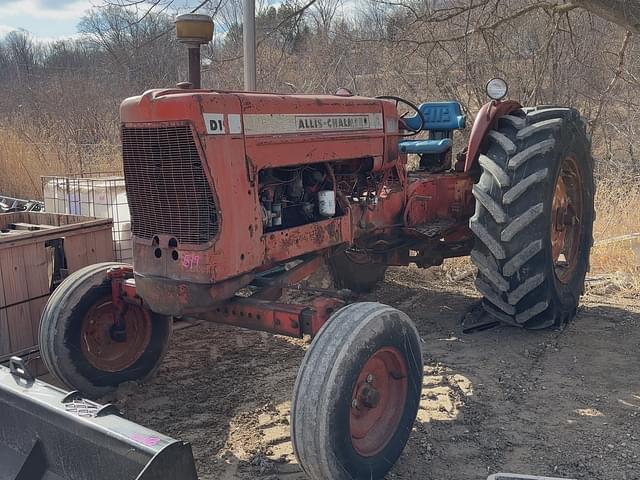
x,y
98,346
566,220
377,401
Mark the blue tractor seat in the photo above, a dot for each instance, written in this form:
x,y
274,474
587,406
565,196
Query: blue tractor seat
x,y
440,120
422,147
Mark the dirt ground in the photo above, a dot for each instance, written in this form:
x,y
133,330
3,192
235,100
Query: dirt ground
x,y
563,404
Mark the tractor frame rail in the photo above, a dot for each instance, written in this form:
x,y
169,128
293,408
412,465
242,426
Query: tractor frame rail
x,y
258,311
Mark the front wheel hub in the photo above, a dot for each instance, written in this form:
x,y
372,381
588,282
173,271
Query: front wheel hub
x,y
119,332
378,401
114,347
369,397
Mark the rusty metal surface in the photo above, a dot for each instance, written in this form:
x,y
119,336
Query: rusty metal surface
x,y
439,196
322,309
231,162
177,297
377,401
289,319
284,245
258,312
117,328
272,287
264,315
484,121
231,137
99,346
566,219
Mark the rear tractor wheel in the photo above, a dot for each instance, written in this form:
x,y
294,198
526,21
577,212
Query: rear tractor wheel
x,y
534,217
79,344
357,393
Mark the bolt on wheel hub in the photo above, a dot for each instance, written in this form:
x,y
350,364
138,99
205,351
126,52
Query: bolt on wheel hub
x,y
378,401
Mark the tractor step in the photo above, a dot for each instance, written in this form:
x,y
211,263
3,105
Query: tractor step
x,y
48,433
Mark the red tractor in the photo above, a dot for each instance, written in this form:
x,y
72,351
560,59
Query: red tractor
x,y
235,196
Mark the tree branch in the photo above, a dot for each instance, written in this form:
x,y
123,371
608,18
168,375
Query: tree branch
x,y
614,80
625,13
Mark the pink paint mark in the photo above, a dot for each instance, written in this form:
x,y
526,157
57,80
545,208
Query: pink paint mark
x,y
190,261
145,439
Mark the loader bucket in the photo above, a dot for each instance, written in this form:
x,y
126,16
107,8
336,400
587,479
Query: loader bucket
x,y
49,434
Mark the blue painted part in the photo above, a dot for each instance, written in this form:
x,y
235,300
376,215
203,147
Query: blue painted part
x,y
425,146
438,116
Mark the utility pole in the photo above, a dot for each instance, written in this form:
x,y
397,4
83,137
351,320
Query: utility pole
x,y
249,44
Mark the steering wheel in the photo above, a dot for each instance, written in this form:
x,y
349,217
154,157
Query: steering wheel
x,y
413,107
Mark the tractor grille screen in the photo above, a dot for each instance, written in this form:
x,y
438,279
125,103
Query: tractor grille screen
x,y
167,188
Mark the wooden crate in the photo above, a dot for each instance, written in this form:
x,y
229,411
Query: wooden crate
x,y
26,268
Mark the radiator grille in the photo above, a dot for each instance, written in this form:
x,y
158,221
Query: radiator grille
x,y
167,188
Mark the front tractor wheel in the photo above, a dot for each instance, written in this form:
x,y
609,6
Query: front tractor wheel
x,y
357,393
80,345
534,217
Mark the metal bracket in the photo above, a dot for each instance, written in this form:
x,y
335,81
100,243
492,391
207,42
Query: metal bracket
x,y
75,404
18,368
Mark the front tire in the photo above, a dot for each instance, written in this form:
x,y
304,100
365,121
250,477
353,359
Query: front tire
x,y
357,393
76,341
534,217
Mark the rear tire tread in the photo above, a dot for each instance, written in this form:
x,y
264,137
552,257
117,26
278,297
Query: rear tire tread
x,y
520,288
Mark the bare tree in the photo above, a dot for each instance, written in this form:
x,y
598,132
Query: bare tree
x,y
322,14
550,51
625,13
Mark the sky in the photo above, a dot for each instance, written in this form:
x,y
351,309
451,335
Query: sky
x,y
44,19
49,20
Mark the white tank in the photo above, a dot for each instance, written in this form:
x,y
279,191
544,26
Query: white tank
x,y
327,203
102,197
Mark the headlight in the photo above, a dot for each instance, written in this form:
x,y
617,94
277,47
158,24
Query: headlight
x,y
497,88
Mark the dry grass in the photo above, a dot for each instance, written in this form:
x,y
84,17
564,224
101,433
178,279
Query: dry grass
x,y
616,254
25,156
618,217
22,162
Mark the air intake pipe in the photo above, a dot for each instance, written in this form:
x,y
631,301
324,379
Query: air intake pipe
x,y
194,30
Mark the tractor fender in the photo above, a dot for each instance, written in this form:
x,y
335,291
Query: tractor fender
x,y
484,121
